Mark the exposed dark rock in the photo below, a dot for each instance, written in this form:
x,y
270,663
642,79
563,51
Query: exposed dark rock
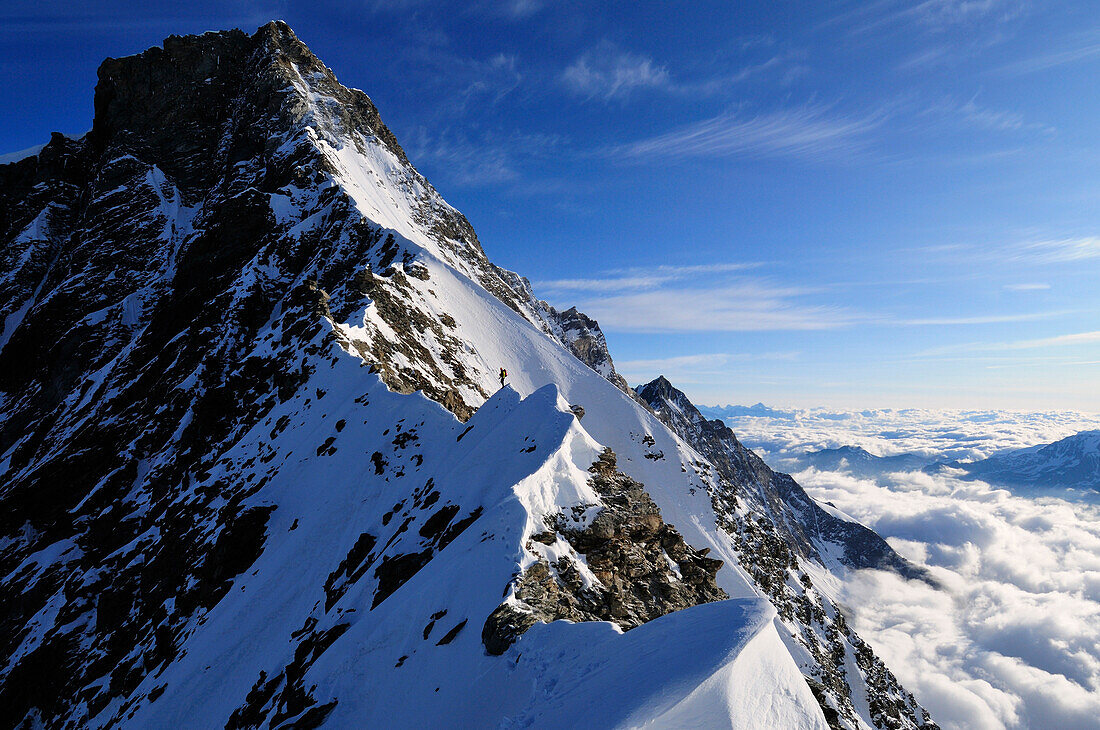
x,y
352,567
437,533
450,635
431,624
285,696
394,571
742,474
644,567
546,538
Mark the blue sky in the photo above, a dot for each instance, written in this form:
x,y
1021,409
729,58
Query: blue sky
x,y
852,204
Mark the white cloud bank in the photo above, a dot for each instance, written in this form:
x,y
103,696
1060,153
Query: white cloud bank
x,y
965,435
1013,638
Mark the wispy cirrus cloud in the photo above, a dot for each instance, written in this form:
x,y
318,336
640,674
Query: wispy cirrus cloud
x,y
697,368
720,297
931,15
1082,47
702,298
393,6
519,9
704,360
985,319
492,78
477,158
1028,286
998,120
1043,362
460,82
1067,340
785,67
608,72
640,277
680,361
1076,338
807,132
744,306
1060,250
1019,250
942,13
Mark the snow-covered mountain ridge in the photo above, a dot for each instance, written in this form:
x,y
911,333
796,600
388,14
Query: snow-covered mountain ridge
x,y
1069,463
815,532
253,450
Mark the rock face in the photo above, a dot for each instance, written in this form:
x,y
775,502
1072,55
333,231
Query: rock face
x,y
253,448
642,567
807,527
780,532
584,338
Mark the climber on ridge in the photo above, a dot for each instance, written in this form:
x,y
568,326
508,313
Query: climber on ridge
x,y
503,375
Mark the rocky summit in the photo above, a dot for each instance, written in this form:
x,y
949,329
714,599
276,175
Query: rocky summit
x,y
257,468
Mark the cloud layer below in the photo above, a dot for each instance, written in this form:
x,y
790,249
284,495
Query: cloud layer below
x,y
1013,638
966,435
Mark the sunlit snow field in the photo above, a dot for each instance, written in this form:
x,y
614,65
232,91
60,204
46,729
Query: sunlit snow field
x,y
1013,638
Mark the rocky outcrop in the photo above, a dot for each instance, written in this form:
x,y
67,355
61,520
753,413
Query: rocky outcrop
x,y
741,474
584,338
642,567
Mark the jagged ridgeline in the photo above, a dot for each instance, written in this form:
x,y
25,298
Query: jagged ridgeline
x,y
257,470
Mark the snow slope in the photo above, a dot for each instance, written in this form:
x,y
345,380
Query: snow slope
x,y
720,662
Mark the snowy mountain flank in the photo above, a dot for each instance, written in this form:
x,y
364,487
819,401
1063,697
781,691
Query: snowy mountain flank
x,y
859,461
1070,463
257,469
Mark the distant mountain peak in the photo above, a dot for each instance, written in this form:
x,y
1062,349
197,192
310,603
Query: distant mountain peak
x,y
661,388
1069,463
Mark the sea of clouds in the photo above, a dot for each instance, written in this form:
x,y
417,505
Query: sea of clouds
x,y
1012,640
947,434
